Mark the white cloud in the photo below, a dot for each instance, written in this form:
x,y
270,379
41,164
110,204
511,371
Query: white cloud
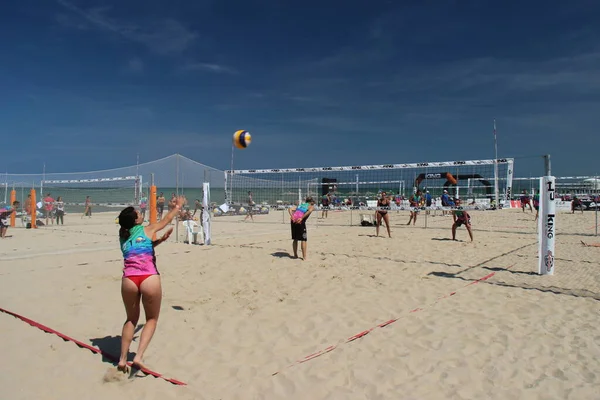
x,y
165,36
216,68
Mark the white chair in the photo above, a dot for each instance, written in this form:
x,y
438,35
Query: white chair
x,y
367,219
193,232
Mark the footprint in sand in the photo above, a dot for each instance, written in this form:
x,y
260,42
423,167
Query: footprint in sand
x,y
114,375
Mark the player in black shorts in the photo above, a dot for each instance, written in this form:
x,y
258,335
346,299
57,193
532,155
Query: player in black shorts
x,y
325,201
299,227
383,205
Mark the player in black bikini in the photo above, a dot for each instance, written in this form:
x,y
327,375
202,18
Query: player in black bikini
x,y
461,217
383,204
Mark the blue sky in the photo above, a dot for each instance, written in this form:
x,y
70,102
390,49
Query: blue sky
x,y
88,85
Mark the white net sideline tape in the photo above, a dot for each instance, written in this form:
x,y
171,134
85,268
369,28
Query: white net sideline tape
x,y
375,167
93,180
351,183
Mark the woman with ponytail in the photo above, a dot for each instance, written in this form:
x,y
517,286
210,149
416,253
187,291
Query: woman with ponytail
x,y
141,280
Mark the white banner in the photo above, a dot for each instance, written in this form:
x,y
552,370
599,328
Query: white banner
x,y
94,180
547,226
509,182
380,166
206,214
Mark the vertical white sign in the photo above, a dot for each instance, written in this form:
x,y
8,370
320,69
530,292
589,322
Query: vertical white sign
x,y
509,182
546,226
206,215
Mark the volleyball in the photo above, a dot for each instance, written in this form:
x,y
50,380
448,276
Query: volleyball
x,y
242,139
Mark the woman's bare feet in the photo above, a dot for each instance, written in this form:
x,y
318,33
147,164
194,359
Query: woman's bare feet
x,y
123,368
139,364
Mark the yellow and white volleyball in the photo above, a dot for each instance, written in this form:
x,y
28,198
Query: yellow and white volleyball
x,y
242,139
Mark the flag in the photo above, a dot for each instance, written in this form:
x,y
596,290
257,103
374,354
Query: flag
x,y
494,128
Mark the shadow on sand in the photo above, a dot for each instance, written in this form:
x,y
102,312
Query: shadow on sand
x,y
112,345
282,254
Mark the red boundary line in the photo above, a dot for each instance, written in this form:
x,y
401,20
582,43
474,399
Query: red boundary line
x,y
383,324
87,346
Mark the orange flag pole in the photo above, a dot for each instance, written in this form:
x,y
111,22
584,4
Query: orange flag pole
x,y
33,209
13,198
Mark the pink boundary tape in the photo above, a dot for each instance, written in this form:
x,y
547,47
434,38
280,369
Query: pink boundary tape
x,y
86,346
382,325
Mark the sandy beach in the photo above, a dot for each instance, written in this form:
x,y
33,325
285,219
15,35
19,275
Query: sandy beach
x,y
472,320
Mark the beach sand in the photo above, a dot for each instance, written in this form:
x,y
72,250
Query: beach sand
x,y
238,311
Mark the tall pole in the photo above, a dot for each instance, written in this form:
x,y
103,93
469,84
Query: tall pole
x,y
42,182
177,175
496,167
136,196
547,221
177,192
547,165
596,198
231,177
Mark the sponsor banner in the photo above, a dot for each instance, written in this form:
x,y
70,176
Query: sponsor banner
x,y
375,167
547,226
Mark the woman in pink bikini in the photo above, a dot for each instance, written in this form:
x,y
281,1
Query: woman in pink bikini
x,y
141,279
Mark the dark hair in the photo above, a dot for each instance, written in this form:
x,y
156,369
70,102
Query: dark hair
x,y
127,221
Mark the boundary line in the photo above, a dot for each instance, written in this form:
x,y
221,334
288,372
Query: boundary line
x,y
382,325
87,346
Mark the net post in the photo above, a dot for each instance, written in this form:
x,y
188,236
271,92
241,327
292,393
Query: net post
x,y
33,209
596,198
509,183
152,201
547,225
206,216
225,187
547,166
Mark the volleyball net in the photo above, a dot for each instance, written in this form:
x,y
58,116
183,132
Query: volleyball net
x,y
355,186
579,195
118,186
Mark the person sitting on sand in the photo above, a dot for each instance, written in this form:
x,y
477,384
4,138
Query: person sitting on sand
x,y
298,217
141,279
461,217
383,205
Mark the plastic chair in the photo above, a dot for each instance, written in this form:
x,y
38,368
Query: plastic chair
x,y
193,232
